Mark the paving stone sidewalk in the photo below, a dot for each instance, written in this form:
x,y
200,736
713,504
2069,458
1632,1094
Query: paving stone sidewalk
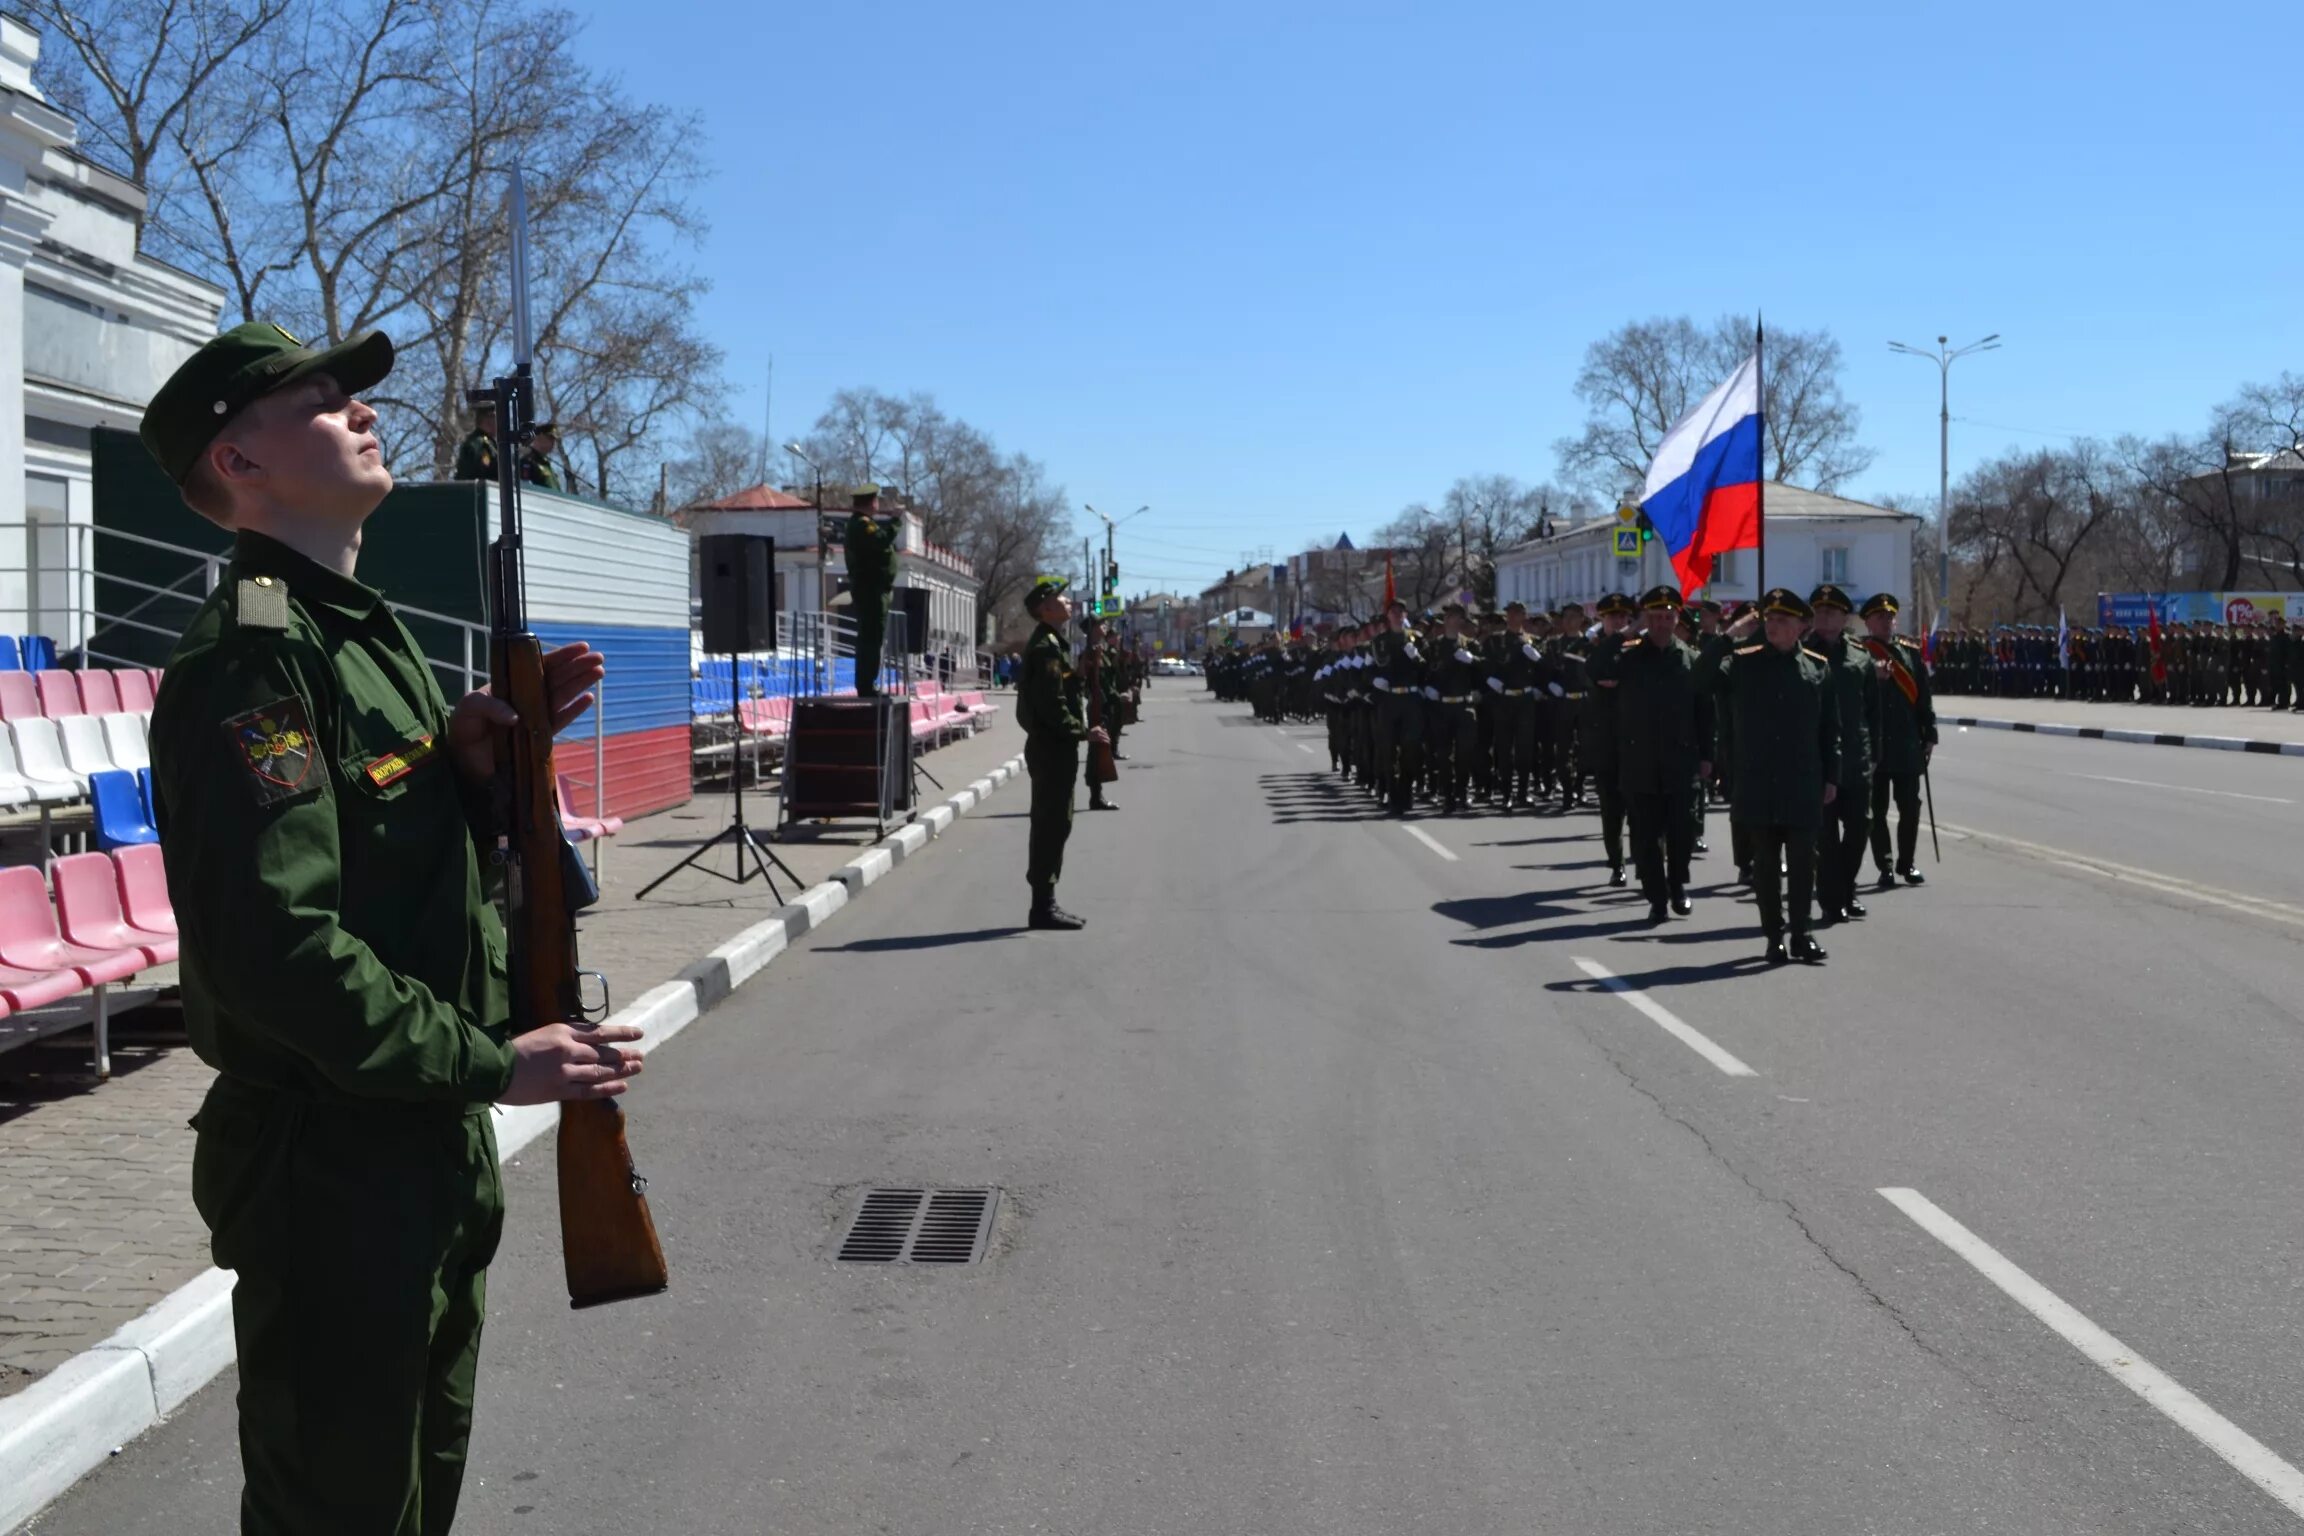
x,y
96,1218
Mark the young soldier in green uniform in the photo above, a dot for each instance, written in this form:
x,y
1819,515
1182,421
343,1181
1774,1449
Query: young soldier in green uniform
x,y
1047,708
476,455
1599,729
1787,744
870,544
1397,675
323,814
1451,729
1907,739
1515,668
1098,684
1855,685
1663,747
536,466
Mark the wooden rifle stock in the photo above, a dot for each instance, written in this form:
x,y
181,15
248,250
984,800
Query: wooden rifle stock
x,y
607,1238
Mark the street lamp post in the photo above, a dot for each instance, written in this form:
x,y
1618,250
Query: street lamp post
x,y
1944,357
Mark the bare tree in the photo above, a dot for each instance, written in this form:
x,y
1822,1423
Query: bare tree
x,y
2034,519
1643,377
1425,555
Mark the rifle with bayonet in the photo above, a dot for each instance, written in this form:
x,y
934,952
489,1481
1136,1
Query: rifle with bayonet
x,y
607,1238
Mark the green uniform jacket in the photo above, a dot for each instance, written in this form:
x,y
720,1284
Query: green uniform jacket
x,y
320,847
1785,730
476,457
871,551
1855,685
1047,692
1403,673
538,470
1663,715
1456,679
1905,725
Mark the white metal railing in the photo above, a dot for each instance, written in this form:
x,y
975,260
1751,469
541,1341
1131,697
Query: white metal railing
x,y
104,604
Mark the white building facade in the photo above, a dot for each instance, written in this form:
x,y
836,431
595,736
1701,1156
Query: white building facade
x,y
1812,538
89,328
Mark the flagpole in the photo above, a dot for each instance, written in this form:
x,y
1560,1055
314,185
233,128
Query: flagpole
x,y
1760,491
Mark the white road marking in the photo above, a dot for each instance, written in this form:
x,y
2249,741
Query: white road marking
x,y
1664,1018
2190,789
2167,885
2247,1455
1305,746
1428,840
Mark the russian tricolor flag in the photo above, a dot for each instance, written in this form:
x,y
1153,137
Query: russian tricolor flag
x,y
1703,491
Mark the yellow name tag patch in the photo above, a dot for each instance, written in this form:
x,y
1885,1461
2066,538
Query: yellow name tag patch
x,y
395,766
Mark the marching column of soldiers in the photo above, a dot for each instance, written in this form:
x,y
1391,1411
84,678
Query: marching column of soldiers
x,y
2249,666
1814,732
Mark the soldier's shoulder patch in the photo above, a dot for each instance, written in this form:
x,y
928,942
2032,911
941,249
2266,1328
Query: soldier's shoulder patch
x,y
276,746
261,602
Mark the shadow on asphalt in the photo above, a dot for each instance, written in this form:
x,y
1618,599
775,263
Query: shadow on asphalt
x,y
921,941
1670,975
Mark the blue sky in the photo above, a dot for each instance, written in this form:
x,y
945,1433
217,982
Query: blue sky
x,y
1279,270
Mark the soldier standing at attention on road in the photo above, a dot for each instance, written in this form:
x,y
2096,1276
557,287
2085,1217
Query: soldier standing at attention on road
x,y
1907,739
323,817
1787,743
476,455
1855,685
1047,708
1663,747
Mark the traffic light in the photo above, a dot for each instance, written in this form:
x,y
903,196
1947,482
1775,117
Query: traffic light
x,y
1111,577
1647,529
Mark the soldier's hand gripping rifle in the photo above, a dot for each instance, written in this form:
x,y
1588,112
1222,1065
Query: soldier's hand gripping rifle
x,y
607,1238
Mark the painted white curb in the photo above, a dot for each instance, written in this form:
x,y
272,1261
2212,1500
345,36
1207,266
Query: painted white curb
x,y
65,1425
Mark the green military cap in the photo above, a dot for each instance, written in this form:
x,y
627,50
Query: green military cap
x,y
1455,608
244,364
1785,601
1881,602
1827,595
1614,602
1660,596
1043,589
543,427
1572,610
1515,606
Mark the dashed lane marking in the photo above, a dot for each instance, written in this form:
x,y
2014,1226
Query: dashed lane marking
x,y
2247,1455
1664,1018
2125,874
2189,789
1429,841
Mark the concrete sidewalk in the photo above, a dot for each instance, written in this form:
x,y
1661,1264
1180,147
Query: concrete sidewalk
x,y
96,1218
2218,727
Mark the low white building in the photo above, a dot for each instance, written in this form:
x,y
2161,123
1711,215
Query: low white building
x,y
89,328
1812,538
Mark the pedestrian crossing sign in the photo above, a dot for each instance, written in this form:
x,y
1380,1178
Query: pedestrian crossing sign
x,y
1627,543
1107,607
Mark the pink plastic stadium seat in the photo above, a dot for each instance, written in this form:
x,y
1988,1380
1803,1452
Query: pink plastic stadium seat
x,y
88,910
30,941
59,694
135,691
19,696
144,888
24,991
99,693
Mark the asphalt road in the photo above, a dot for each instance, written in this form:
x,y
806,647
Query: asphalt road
x,y
1341,1197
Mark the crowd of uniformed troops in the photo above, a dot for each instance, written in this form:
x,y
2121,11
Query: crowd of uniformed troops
x,y
2254,666
1659,709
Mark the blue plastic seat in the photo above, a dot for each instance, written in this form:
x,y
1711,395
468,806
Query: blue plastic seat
x,y
119,806
151,806
38,653
11,654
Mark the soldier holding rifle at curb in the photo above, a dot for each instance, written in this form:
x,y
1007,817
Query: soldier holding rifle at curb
x,y
323,814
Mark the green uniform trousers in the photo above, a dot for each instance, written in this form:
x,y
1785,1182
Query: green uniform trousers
x,y
1055,768
361,1236
871,631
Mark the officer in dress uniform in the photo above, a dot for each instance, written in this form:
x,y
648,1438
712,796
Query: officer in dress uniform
x,y
1907,739
1663,747
1452,731
536,467
1397,675
324,819
1047,706
476,455
1855,684
1787,742
1597,728
1515,670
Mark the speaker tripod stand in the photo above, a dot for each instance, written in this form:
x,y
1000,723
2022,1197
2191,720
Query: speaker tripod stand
x,y
738,833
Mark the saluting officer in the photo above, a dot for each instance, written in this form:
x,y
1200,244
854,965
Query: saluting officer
x,y
324,817
536,466
476,455
1855,685
1907,739
1047,706
1787,745
1663,747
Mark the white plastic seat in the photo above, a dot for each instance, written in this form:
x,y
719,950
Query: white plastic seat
x,y
85,751
40,758
124,736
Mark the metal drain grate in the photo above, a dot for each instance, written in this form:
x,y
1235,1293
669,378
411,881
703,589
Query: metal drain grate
x,y
920,1226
